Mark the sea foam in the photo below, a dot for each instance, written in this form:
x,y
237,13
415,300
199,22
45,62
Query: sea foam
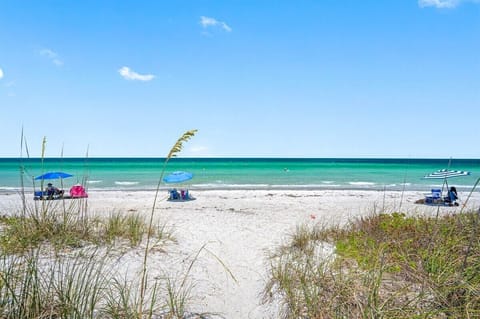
x,y
126,183
361,183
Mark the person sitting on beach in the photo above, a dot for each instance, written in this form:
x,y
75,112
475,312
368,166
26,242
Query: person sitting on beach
x,y
174,194
53,191
184,194
452,196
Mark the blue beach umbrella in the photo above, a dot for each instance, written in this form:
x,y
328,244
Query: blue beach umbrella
x,y
178,177
53,175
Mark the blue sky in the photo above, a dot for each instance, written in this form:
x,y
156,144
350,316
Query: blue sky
x,y
398,78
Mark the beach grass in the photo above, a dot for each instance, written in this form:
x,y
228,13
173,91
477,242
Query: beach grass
x,y
36,286
53,264
53,256
380,266
133,228
65,228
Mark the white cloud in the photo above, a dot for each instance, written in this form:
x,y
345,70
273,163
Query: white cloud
x,y
226,27
198,149
206,21
52,56
128,74
1,73
48,53
212,22
443,4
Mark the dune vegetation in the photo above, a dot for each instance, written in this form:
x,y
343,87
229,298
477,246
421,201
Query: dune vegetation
x,y
380,266
55,262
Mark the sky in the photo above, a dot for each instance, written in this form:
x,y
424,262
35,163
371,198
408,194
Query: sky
x,y
269,78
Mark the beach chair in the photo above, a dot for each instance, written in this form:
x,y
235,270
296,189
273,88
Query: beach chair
x,y
174,195
435,197
42,195
39,195
181,196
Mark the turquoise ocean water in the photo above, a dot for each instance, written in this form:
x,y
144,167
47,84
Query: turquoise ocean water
x,y
240,173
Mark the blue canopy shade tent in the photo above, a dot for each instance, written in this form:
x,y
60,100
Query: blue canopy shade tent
x,y
53,175
53,192
178,177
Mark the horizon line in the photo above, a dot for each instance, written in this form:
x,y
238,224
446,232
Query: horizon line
x,y
241,157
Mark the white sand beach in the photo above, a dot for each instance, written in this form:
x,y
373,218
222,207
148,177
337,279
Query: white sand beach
x,y
239,228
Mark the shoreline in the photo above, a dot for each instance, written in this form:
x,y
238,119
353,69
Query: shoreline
x,y
368,187
239,228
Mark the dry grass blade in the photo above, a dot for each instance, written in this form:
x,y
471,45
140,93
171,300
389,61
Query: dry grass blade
x,y
177,148
44,146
